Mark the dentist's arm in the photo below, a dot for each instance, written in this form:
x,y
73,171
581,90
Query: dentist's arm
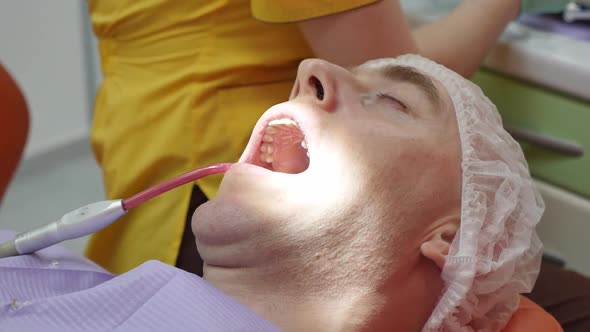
x,y
460,40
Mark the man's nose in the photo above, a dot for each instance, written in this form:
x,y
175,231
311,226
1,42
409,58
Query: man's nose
x,y
316,82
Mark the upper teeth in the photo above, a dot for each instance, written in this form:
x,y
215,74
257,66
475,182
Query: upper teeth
x,y
287,122
268,139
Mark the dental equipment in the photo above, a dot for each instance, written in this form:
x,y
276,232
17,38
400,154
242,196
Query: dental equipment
x,y
96,216
576,11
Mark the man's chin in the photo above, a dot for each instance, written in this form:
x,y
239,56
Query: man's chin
x,y
229,230
219,221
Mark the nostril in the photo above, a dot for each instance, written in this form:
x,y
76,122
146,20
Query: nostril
x,y
319,88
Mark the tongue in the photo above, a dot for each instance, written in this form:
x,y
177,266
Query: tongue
x,y
290,158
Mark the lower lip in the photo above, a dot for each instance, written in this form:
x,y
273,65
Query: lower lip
x,y
251,169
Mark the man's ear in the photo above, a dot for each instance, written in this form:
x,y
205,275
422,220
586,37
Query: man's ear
x,y
436,247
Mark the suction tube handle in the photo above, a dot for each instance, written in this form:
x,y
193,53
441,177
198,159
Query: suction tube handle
x,y
82,221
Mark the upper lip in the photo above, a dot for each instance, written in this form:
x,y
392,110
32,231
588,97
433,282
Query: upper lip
x,y
287,110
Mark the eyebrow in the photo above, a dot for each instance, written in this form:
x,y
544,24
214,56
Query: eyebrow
x,y
411,75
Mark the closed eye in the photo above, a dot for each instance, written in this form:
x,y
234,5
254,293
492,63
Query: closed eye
x,y
391,98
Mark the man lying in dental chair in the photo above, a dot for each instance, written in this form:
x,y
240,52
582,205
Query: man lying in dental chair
x,y
387,197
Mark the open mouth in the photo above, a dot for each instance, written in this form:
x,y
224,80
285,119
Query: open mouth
x,y
281,146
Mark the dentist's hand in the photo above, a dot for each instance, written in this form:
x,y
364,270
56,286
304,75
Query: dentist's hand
x,y
542,6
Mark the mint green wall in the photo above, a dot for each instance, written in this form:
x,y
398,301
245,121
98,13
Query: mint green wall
x,y
527,106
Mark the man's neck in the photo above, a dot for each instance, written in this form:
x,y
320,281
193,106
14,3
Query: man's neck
x,y
403,303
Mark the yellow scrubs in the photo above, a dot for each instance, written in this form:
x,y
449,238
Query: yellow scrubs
x,y
184,83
